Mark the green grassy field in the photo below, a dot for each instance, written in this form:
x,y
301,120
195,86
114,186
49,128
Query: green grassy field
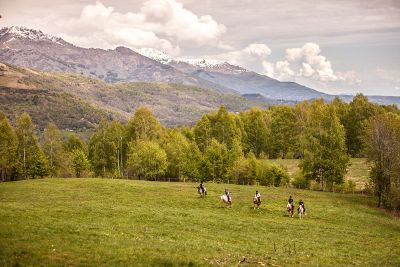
x,y
358,170
140,223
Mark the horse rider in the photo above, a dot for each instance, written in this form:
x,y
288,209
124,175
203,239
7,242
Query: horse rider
x,y
301,203
258,196
290,201
228,195
201,187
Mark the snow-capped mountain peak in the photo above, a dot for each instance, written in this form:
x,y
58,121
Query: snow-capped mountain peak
x,y
155,54
164,58
26,33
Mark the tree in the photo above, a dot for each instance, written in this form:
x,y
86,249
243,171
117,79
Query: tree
x,y
202,133
240,171
224,127
107,149
355,122
283,131
383,150
215,162
53,148
146,159
176,148
80,162
325,158
38,164
30,154
8,148
143,126
256,126
74,142
192,162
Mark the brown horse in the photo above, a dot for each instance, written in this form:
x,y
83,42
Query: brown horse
x,y
290,209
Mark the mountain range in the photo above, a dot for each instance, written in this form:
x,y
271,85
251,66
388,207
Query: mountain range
x,y
120,79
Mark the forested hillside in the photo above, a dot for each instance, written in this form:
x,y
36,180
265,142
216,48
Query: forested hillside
x,y
49,97
222,147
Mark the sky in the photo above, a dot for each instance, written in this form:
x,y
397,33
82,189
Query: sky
x,y
339,47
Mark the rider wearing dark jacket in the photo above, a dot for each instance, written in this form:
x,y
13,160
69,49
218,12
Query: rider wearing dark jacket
x,y
290,200
201,186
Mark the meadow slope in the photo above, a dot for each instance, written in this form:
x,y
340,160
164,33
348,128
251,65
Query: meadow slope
x,y
140,223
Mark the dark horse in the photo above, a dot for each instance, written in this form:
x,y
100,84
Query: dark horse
x,y
290,209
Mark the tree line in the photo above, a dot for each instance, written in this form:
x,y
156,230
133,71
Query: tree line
x,y
222,146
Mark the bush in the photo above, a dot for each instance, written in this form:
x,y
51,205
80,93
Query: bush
x,y
279,175
299,181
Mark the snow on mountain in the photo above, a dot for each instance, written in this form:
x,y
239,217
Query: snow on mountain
x,y
26,33
155,54
164,58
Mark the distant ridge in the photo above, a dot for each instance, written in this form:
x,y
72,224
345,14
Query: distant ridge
x,y
30,48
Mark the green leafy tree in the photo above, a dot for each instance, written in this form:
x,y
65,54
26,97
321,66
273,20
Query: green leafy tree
x,y
144,126
74,142
8,148
256,125
30,155
80,162
146,159
355,122
284,136
176,148
240,171
202,133
192,162
38,163
53,146
215,162
383,150
106,149
224,127
325,158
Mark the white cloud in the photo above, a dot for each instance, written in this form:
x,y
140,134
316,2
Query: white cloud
x,y
161,24
311,63
248,57
307,62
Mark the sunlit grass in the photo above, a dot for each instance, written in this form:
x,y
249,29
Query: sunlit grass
x,y
134,223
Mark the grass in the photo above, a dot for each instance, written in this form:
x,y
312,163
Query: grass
x,y
358,170
140,223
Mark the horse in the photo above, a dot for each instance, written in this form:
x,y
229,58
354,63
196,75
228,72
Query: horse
x,y
256,202
300,210
203,192
290,209
224,200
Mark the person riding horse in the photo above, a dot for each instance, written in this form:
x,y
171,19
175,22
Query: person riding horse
x,y
201,187
228,195
290,201
258,197
301,203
